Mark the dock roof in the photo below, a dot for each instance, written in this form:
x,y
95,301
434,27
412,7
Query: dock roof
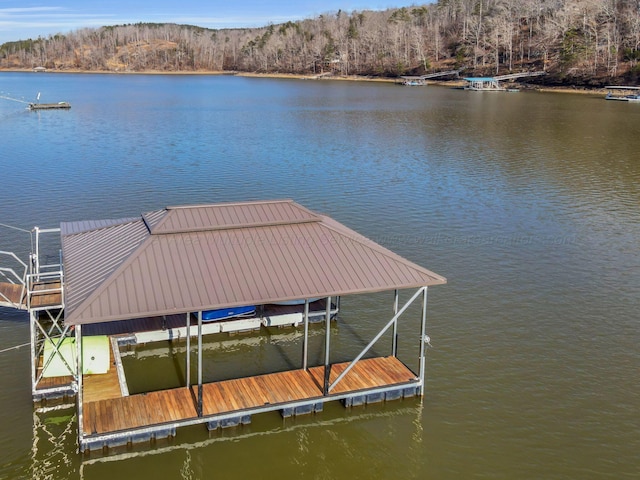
x,y
202,257
480,79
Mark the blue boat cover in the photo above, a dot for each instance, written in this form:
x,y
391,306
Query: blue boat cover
x,y
223,313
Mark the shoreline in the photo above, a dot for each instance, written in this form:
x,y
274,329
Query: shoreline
x,y
573,89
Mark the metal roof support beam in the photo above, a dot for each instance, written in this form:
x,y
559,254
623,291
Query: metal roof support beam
x,y
327,338
187,373
79,368
35,261
305,344
423,339
394,341
34,341
200,363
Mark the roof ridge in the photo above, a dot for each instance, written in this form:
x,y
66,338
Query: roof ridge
x,y
153,223
231,204
170,223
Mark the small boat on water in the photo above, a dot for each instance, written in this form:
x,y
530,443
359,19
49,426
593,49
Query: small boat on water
x,y
624,93
49,106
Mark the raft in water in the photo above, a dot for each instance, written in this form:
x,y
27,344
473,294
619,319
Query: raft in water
x,y
49,106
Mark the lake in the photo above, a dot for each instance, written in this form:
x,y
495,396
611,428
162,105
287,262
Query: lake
x,y
527,202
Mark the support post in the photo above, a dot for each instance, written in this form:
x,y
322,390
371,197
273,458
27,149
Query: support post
x,y
34,342
37,253
187,374
200,363
394,341
305,344
79,379
423,327
327,339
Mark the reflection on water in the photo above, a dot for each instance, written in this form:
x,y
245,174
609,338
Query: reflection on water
x,y
303,446
54,453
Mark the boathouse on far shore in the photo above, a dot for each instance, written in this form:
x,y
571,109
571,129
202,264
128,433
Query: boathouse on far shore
x,y
188,271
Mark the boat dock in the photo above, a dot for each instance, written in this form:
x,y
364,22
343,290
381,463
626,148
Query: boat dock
x,y
416,80
492,84
117,420
181,273
624,93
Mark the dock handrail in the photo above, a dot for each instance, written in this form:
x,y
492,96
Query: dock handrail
x,y
43,278
12,277
440,74
512,76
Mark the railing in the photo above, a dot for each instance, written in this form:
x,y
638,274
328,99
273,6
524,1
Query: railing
x,y
48,280
512,76
10,275
44,275
364,351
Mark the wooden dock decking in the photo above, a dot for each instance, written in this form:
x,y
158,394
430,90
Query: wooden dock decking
x,y
45,294
242,396
135,411
13,292
102,386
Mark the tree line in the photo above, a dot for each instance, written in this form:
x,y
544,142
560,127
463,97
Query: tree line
x,y
575,41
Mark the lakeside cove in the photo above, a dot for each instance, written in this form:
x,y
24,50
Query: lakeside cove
x,y
526,203
455,83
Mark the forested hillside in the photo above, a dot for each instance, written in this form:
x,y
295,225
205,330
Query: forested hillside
x,y
586,42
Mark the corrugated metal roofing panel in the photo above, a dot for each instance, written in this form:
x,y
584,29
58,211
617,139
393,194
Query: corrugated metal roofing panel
x,y
249,263
230,215
90,257
71,228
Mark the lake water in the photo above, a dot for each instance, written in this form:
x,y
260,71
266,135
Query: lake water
x,y
527,202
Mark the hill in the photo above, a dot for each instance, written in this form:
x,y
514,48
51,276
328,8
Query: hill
x,y
578,42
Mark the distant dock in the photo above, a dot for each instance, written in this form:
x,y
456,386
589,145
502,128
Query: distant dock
x,y
50,106
492,84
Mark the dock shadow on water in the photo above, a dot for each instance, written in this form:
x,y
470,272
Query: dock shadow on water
x,y
304,446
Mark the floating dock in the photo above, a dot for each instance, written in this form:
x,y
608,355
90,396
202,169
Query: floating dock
x,y
419,80
492,84
154,277
50,106
623,93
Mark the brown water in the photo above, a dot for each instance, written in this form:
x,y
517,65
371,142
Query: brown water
x,y
527,202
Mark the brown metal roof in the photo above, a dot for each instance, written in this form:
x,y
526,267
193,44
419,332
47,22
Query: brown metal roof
x,y
186,259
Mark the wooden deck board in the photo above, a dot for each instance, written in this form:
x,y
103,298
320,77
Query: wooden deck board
x,y
102,386
46,294
377,372
11,291
277,389
53,382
